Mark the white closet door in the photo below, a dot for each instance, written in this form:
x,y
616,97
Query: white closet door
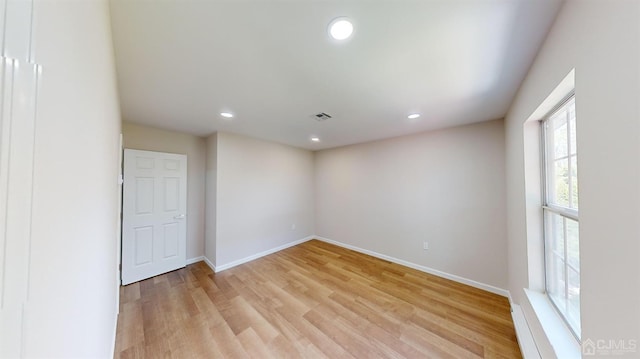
x,y
154,214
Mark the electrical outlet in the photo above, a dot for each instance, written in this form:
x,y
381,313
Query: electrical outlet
x,y
425,246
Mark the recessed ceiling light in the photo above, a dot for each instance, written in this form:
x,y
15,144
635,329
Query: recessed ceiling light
x,y
226,114
413,116
340,28
315,138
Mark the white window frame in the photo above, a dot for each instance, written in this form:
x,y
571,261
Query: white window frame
x,y
566,213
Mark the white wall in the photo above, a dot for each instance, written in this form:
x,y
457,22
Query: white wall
x,y
154,139
211,195
263,189
445,187
71,307
601,40
18,81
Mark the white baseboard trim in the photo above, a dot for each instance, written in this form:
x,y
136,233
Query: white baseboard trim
x,y
209,263
526,342
117,313
113,338
195,260
453,277
258,255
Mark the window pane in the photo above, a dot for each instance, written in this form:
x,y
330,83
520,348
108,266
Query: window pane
x,y
555,233
555,281
572,127
573,300
555,257
559,183
574,182
573,244
558,125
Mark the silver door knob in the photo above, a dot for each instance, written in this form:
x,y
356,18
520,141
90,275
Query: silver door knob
x,y
180,216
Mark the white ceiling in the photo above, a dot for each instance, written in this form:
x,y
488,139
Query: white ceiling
x,y
271,63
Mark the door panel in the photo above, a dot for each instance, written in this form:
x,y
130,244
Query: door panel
x,y
171,240
144,245
144,163
171,194
154,214
144,195
171,165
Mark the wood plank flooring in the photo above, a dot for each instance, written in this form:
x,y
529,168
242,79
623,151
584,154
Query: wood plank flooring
x,y
314,300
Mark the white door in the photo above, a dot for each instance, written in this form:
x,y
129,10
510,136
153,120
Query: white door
x,y
154,214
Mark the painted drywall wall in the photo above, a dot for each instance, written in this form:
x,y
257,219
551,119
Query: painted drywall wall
x,y
444,187
154,139
211,195
19,82
601,40
72,300
264,196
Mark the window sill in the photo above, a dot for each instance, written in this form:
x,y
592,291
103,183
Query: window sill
x,y
564,344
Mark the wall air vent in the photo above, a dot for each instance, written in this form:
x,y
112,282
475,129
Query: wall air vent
x,y
321,116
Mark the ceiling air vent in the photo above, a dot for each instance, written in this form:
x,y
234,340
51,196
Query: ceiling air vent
x,y
321,116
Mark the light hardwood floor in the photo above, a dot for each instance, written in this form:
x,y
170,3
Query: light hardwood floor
x,y
314,300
